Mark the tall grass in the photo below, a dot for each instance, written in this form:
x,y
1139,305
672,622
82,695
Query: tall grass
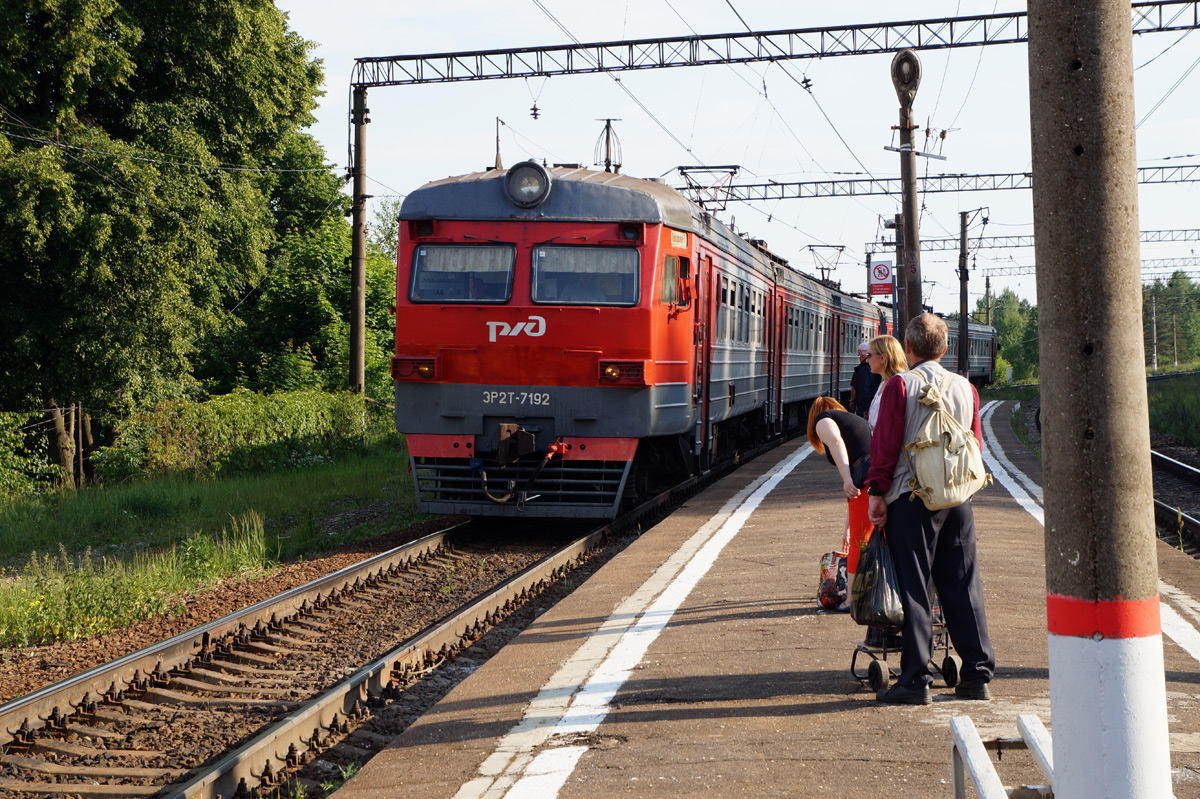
x,y
61,597
130,551
1001,392
1175,408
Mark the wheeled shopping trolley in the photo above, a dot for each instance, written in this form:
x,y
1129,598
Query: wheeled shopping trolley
x,y
882,641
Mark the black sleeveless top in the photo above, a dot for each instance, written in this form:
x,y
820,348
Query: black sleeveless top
x,y
856,434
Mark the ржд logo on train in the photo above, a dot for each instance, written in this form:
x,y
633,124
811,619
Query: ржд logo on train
x,y
535,326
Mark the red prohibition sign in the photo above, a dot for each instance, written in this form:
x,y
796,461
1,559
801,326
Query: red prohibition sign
x,y
881,272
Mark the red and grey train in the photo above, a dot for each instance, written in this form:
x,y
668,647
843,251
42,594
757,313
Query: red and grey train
x,y
568,341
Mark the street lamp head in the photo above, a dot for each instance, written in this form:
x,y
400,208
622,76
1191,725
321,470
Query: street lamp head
x,y
906,76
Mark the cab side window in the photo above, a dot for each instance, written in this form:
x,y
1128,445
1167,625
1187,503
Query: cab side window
x,y
670,281
675,275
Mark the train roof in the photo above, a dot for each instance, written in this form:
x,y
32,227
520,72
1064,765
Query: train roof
x,y
575,194
580,194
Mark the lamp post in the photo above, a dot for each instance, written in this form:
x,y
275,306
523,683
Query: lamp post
x,y
906,77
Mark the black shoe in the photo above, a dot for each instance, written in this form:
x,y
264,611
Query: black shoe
x,y
973,689
903,695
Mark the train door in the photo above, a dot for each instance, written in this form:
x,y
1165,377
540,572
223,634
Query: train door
x,y
702,333
836,328
778,346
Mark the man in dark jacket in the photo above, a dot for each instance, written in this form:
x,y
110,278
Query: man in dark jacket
x,y
863,384
928,547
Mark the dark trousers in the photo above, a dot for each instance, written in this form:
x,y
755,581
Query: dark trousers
x,y
937,548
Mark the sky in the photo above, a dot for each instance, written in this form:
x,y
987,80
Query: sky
x,y
972,107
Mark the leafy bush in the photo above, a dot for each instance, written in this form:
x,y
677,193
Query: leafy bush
x,y
25,468
238,431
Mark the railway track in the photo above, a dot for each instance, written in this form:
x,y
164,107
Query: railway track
x,y
235,707
1177,502
248,706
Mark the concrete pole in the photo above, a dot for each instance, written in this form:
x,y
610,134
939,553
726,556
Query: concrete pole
x,y
963,362
79,443
1153,334
869,276
358,244
987,298
1107,686
899,298
906,77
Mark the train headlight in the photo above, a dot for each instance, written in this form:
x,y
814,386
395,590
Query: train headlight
x,y
611,372
425,370
527,184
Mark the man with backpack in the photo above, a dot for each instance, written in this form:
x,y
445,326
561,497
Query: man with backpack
x,y
931,546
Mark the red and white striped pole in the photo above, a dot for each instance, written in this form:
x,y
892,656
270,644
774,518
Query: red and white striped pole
x,y
1107,684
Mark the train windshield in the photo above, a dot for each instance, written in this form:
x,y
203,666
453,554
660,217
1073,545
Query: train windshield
x,y
462,273
578,275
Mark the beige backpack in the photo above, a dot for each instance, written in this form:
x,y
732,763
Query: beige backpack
x,y
944,457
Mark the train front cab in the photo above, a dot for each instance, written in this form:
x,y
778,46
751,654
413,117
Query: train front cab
x,y
538,362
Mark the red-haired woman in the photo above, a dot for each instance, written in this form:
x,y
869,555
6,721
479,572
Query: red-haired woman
x,y
846,441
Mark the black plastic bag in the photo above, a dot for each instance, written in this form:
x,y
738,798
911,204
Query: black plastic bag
x,y
875,593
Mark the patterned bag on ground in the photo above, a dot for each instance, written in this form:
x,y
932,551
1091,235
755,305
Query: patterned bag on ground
x,y
832,588
875,594
947,467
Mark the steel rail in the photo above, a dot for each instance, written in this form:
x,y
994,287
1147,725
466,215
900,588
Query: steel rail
x,y
1170,517
275,748
269,751
37,707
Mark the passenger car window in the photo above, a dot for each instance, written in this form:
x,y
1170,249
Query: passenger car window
x,y
472,273
578,275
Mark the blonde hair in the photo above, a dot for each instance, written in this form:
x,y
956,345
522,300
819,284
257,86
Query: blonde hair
x,y
819,406
889,349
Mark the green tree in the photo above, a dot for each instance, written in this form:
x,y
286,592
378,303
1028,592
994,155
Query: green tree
x,y
383,233
1025,352
1015,320
136,199
1171,320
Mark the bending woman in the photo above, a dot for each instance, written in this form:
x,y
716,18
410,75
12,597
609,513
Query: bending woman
x,y
845,439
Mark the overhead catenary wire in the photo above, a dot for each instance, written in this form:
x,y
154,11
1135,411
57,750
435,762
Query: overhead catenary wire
x,y
616,79
763,94
1169,92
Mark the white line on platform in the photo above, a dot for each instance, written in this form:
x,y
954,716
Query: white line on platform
x,y
1003,470
1178,628
1028,482
576,699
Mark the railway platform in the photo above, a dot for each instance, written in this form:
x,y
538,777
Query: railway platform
x,y
698,661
